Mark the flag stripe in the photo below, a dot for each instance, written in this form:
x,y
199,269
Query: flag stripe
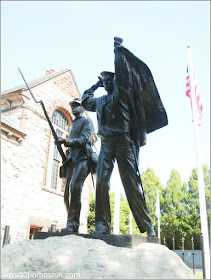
x,y
199,104
187,84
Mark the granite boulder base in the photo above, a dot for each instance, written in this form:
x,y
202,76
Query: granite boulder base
x,y
73,256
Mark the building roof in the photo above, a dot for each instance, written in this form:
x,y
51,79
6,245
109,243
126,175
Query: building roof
x,y
9,123
34,82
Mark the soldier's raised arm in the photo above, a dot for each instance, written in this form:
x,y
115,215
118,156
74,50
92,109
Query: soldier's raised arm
x,y
88,99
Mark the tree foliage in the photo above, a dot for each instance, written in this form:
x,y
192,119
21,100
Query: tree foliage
x,y
193,210
151,183
91,216
179,204
173,207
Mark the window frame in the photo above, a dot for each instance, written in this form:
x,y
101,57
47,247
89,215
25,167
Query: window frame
x,y
48,178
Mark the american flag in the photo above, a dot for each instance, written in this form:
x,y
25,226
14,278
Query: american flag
x,y
197,96
188,84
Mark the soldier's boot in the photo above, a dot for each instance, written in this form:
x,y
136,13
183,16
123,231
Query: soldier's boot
x,y
101,229
72,227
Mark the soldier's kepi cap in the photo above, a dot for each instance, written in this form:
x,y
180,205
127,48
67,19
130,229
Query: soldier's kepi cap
x,y
75,100
107,73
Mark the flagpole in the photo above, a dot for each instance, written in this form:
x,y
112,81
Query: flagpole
x,y
131,223
202,201
158,226
158,213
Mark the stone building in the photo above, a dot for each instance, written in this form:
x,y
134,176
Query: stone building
x,y
32,191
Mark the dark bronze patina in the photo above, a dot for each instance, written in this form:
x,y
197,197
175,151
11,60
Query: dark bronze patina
x,y
131,109
81,160
78,162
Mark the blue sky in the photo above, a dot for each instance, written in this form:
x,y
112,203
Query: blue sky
x,y
38,35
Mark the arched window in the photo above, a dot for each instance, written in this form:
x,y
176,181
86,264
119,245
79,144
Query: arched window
x,y
62,128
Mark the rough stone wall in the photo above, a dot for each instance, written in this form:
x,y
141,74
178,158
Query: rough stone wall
x,y
24,200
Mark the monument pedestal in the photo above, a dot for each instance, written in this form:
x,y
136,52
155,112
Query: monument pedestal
x,y
122,240
85,256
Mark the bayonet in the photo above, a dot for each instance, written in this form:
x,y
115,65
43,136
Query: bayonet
x,y
64,158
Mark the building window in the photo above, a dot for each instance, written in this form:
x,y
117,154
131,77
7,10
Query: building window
x,y
62,128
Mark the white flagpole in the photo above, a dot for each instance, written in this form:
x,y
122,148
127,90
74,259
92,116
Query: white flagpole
x,y
131,223
158,226
158,212
202,201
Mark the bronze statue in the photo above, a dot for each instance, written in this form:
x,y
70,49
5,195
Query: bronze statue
x,y
81,160
131,109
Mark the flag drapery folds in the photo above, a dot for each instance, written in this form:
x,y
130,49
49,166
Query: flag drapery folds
x,y
195,91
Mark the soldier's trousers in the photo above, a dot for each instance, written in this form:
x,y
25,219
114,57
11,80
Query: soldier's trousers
x,y
119,147
76,175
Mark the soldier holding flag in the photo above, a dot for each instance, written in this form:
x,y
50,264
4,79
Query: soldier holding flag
x,y
131,109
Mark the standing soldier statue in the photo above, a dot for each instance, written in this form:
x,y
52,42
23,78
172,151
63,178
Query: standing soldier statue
x,y
81,160
131,109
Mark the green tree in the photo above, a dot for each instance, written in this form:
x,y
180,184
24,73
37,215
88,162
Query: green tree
x,y
179,203
180,209
194,229
124,222
91,216
206,172
173,210
112,196
151,183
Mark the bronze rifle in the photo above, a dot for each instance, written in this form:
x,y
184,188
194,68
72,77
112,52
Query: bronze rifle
x,y
64,158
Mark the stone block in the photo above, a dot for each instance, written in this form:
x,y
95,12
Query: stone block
x,y
119,240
